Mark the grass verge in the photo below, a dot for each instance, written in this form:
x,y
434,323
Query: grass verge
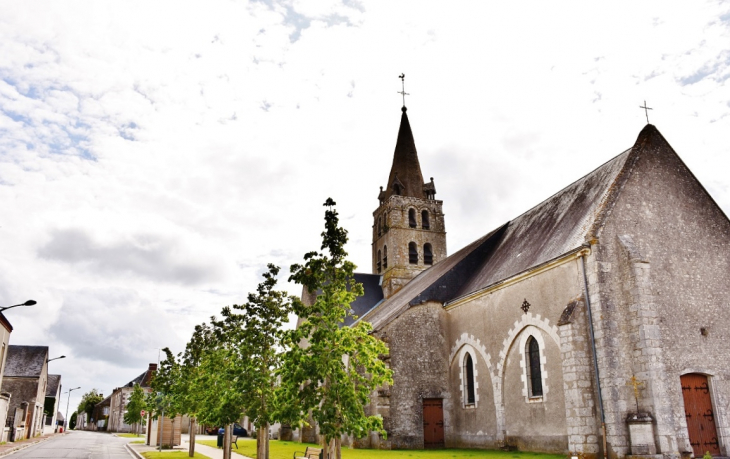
x,y
171,455
128,435
285,450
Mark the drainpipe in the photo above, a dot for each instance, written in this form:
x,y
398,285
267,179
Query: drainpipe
x,y
593,348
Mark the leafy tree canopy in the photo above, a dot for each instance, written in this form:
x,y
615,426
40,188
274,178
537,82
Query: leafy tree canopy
x,y
88,401
330,369
135,406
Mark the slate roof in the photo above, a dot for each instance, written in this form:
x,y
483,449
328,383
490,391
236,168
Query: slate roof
x,y
143,380
373,295
52,387
557,226
106,402
406,170
25,361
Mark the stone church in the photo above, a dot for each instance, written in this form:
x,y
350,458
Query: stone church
x,y
594,323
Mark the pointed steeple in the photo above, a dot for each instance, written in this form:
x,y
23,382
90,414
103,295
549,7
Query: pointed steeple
x,y
405,175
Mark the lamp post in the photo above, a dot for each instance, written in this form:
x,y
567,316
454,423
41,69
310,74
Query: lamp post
x,y
67,421
27,303
56,358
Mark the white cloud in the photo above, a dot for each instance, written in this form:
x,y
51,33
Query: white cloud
x,y
183,146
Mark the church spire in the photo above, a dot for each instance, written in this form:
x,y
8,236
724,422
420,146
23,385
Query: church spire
x,y
405,174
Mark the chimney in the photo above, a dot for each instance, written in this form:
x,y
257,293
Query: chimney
x,y
153,367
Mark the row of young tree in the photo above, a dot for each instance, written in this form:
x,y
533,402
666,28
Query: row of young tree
x,y
246,362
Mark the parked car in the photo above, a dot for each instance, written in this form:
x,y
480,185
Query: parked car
x,y
238,430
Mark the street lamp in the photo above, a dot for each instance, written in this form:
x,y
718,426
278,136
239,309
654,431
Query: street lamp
x,y
66,421
56,358
27,303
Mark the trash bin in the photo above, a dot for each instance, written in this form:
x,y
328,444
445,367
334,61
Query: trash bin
x,y
220,440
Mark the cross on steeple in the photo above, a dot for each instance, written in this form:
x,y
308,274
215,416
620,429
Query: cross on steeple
x,y
646,111
403,92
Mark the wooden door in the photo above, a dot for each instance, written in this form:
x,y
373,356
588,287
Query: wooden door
x,y
699,414
433,423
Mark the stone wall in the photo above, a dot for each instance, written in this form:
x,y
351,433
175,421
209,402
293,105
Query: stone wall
x,y
659,281
418,358
391,228
497,328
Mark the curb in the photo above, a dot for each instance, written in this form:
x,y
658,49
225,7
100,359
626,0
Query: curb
x,y
27,445
133,452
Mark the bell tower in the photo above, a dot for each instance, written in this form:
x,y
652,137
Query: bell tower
x,y
409,235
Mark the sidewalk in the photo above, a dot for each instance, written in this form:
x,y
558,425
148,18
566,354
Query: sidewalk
x,y
8,448
213,453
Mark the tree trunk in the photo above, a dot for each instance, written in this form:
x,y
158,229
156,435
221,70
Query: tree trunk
x,y
338,448
262,442
191,451
162,430
227,442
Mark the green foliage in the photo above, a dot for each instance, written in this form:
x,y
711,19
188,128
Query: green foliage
x,y
252,340
707,455
88,401
329,369
72,421
135,406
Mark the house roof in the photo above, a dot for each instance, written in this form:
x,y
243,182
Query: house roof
x,y
52,387
143,379
25,361
556,226
106,402
5,323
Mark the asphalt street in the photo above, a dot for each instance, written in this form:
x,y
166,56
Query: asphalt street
x,y
86,445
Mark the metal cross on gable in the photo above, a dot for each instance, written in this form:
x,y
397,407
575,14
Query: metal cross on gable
x,y
403,92
646,111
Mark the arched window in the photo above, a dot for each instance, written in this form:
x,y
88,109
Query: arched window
x,y
379,262
469,396
385,256
425,223
380,226
534,376
412,218
427,254
412,253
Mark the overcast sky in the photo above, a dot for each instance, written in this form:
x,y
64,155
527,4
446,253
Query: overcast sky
x,y
154,156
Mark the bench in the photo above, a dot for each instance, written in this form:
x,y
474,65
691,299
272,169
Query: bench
x,y
234,440
309,453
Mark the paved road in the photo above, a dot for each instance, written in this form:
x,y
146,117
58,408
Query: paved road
x,y
78,445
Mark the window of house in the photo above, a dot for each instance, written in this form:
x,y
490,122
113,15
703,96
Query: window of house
x,y
427,254
385,256
412,218
534,376
379,261
425,223
412,253
469,395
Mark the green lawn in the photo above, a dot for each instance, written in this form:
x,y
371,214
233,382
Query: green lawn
x,y
285,450
128,435
171,455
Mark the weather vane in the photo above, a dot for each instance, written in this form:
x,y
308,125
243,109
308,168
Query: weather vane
x,y
646,111
403,92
